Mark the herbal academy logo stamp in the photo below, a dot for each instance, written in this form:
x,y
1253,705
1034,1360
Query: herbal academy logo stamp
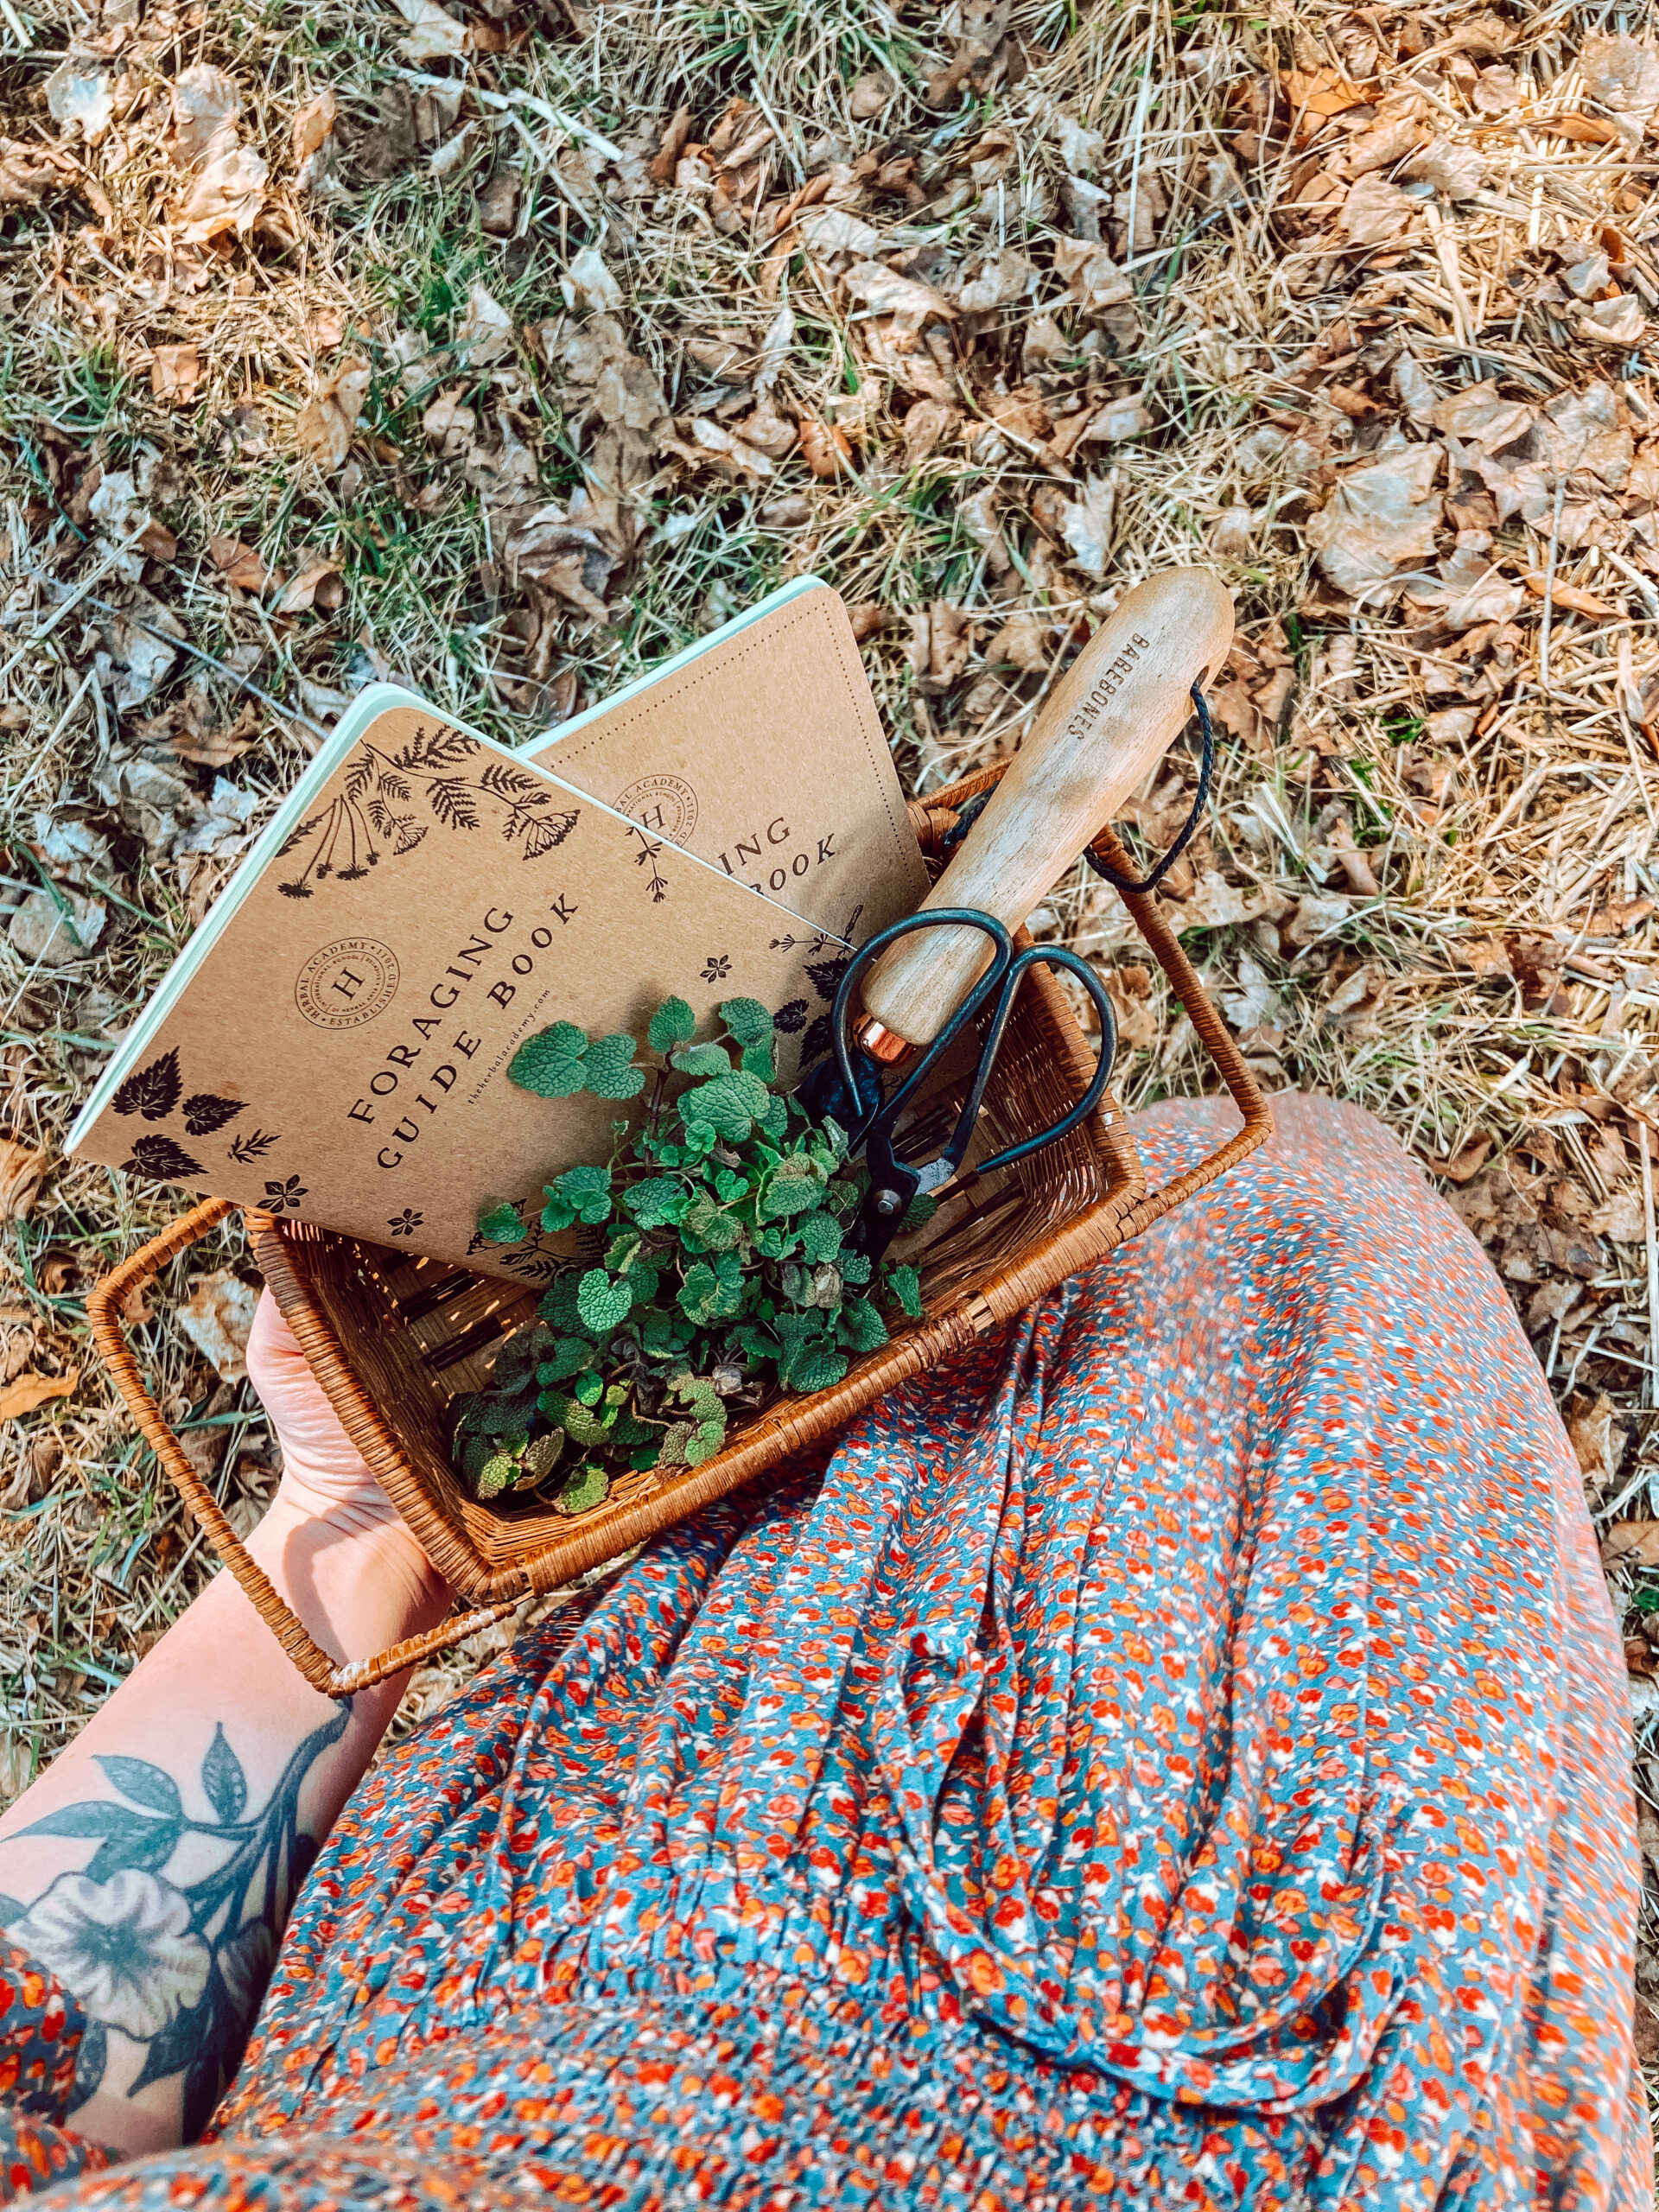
x,y
664,806
348,984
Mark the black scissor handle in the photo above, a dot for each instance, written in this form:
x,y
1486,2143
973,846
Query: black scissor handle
x,y
863,960
894,1183
1046,956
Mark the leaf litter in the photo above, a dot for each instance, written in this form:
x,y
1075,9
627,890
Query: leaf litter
x,y
504,351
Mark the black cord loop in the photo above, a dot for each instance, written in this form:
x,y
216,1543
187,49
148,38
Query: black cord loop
x,y
1150,881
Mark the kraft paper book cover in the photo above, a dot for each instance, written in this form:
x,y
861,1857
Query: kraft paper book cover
x,y
333,1045
814,815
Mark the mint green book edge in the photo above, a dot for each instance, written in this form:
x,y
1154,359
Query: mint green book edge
x,y
375,699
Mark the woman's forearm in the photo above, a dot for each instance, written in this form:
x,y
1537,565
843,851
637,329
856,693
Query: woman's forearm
x,y
152,1866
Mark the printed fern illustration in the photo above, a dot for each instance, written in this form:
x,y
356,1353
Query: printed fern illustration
x,y
389,801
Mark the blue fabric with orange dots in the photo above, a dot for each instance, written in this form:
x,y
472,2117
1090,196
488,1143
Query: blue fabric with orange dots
x,y
1176,1753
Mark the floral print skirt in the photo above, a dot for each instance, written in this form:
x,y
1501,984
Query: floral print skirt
x,y
1175,1755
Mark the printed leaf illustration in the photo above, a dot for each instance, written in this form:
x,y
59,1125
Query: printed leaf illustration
x,y
161,1158
791,1018
542,832
826,975
251,1145
151,1091
204,1113
451,800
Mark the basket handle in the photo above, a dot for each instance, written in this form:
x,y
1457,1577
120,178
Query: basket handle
x,y
334,1678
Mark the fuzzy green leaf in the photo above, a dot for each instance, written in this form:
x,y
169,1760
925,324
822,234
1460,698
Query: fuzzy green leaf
x,y
715,1293
707,1225
541,1453
495,1475
747,1020
590,1486
920,1211
611,1071
905,1285
820,1235
500,1225
703,1059
759,1060
729,1183
793,1188
672,1024
812,1366
729,1105
860,1326
568,1357
586,1190
584,1427
710,1435
658,1200
552,1063
601,1301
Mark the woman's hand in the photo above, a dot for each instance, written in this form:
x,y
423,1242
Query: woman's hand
x,y
327,1485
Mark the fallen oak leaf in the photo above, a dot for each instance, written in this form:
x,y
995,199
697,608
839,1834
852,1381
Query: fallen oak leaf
x,y
31,1390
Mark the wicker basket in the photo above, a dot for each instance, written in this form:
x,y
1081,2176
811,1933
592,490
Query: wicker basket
x,y
393,1339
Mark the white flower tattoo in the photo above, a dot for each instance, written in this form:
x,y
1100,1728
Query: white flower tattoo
x,y
124,1947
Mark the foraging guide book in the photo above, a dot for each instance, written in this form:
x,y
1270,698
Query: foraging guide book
x,y
766,757
333,1044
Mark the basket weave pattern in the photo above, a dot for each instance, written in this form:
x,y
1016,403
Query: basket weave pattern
x,y
393,1340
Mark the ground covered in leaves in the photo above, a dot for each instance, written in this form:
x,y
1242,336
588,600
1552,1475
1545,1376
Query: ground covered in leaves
x,y
501,347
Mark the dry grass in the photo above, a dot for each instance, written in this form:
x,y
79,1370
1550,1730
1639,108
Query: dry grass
x,y
982,316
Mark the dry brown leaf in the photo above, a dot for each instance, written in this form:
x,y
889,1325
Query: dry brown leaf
x,y
205,105
883,291
1597,1437
80,92
317,584
324,427
1631,1543
217,1317
174,372
1375,212
31,1390
434,35
312,125
1378,518
824,447
1000,280
1466,1162
28,173
22,1170
1087,527
925,424
238,563
227,194
1622,75
1570,597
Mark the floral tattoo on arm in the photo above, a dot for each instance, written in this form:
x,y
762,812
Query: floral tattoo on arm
x,y
179,1967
